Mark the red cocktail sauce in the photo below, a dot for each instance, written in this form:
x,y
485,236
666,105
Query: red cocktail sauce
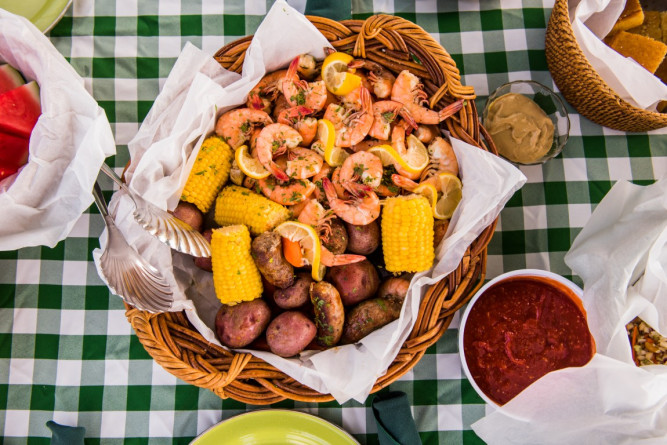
x,y
519,330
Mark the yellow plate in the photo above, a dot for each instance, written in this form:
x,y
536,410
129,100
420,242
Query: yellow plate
x,y
269,427
44,14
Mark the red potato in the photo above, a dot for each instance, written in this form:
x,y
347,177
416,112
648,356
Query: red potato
x,y
189,214
363,240
394,287
239,325
201,262
355,282
289,333
296,295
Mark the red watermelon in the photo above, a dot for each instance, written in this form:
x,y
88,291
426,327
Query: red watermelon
x,y
9,78
19,110
13,150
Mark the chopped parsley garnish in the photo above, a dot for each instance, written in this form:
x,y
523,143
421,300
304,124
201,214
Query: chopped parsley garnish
x,y
388,117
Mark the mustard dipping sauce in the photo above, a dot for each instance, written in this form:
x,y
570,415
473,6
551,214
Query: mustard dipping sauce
x,y
521,130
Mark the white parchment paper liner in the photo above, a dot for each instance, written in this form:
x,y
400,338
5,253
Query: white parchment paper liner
x,y
591,22
197,91
621,254
42,202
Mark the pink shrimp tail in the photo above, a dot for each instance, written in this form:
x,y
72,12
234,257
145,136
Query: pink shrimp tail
x,y
329,189
356,63
291,71
277,172
328,50
256,102
403,182
450,109
331,260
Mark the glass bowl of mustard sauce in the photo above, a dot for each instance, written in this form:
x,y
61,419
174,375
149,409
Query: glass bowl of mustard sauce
x,y
527,121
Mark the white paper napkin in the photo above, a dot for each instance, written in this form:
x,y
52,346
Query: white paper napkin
x,y
163,152
42,202
621,254
591,22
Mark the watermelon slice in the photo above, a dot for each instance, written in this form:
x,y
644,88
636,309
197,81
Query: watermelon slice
x,y
13,150
19,109
9,78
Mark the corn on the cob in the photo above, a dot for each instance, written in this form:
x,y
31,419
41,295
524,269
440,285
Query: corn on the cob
x,y
407,234
238,205
209,173
235,275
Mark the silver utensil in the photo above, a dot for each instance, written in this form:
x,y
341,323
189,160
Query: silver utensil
x,y
126,272
163,225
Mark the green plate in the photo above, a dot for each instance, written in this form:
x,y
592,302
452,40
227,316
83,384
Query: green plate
x,y
273,427
44,14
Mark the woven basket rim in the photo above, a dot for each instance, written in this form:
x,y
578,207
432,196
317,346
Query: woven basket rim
x,y
560,19
181,353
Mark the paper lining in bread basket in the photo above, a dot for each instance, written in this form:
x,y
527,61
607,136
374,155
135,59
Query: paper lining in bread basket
x,y
44,199
591,22
621,255
197,91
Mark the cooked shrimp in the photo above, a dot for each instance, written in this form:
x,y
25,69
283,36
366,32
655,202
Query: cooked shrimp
x,y
303,163
325,172
384,113
297,117
426,133
288,194
314,214
236,126
408,90
307,66
380,78
360,210
280,106
398,143
338,186
351,125
274,140
300,92
253,140
265,93
442,158
368,143
361,168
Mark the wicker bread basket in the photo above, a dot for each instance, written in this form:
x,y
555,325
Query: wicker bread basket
x,y
175,344
581,85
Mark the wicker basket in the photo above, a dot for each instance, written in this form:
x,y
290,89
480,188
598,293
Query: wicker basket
x,y
583,88
175,344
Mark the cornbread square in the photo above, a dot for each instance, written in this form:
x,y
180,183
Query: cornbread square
x,y
631,17
651,26
647,52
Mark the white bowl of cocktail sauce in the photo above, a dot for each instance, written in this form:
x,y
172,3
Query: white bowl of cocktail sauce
x,y
520,326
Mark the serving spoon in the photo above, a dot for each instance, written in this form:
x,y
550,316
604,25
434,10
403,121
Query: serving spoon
x,y
163,225
127,273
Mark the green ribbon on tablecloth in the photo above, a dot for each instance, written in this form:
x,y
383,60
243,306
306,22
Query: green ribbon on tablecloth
x,y
66,435
334,10
395,423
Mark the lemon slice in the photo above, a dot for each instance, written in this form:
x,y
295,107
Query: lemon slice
x,y
309,241
335,156
429,192
389,156
249,165
450,186
326,134
417,154
337,76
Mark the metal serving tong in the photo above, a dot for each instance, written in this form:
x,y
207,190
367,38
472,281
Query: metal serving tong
x,y
129,275
163,225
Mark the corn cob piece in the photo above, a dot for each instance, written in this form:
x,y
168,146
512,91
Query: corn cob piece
x,y
407,234
238,205
209,173
235,275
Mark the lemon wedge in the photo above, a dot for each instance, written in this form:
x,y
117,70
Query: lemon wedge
x,y
249,165
389,156
417,154
337,77
429,192
309,241
450,186
335,156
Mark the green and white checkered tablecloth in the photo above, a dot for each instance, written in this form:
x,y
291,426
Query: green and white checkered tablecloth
x,y
67,352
